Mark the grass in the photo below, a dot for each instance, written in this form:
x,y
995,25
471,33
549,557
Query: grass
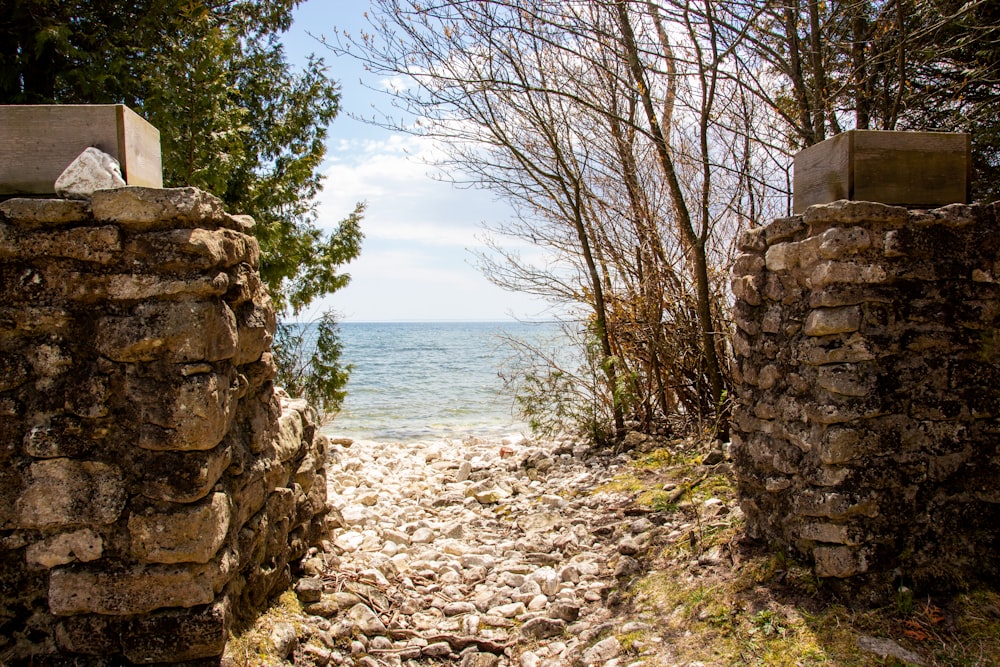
x,y
623,483
252,647
763,608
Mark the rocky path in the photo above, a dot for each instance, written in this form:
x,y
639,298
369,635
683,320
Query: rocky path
x,y
483,554
522,554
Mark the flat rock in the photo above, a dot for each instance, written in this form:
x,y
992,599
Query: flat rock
x,y
480,660
366,620
458,607
602,651
487,494
436,650
887,648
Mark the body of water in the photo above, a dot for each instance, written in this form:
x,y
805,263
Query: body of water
x,y
421,380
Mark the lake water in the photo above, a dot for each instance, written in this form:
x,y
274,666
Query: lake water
x,y
422,380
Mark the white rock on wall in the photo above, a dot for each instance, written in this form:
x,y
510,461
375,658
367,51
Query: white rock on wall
x,y
92,170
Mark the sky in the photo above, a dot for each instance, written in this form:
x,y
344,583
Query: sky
x,y
417,262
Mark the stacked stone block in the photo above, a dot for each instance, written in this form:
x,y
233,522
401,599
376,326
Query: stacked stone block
x,y
867,422
153,484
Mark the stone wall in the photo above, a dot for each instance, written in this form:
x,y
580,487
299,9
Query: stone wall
x,y
866,430
153,484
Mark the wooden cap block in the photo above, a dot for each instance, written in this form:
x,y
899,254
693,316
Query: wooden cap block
x,y
37,142
914,169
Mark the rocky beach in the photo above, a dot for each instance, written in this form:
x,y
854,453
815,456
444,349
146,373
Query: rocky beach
x,y
484,553
518,552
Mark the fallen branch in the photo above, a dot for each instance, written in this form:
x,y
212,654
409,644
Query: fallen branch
x,y
457,643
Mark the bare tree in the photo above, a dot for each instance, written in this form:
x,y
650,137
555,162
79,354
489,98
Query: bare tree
x,y
618,132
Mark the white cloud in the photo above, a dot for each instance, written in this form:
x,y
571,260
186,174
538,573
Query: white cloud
x,y
417,261
405,201
396,84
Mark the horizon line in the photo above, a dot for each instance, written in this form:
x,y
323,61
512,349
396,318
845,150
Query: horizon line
x,y
449,321
436,321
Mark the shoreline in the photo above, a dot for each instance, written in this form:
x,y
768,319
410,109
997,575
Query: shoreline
x,y
514,432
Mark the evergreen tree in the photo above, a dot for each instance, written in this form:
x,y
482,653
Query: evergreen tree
x,y
235,119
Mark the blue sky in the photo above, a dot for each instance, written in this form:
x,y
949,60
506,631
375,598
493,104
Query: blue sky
x,y
417,262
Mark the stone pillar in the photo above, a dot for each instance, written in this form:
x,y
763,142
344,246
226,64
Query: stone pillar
x,y
867,428
153,485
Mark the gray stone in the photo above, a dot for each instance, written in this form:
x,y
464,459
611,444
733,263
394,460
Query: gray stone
x,y
829,321
547,579
748,263
325,607
543,628
177,635
195,249
436,650
64,492
194,415
184,477
887,648
181,332
627,567
283,638
539,521
839,561
602,651
845,380
849,273
255,327
478,659
134,590
145,209
854,212
529,659
826,532
538,603
92,170
487,493
782,257
782,229
842,241
752,240
422,536
833,505
80,545
366,620
748,289
458,607
510,610
185,534
565,611
309,589
135,287
98,245
288,442
44,213
454,530
852,349
89,634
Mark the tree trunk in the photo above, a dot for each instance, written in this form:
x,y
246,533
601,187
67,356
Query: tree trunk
x,y
694,246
